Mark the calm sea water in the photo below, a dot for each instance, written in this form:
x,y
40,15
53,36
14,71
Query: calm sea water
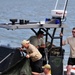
x,y
33,10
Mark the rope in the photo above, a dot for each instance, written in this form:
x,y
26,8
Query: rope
x,y
5,58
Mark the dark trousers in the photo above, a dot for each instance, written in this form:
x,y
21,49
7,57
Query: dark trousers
x,y
37,65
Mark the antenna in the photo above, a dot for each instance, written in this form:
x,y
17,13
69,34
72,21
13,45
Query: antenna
x,y
56,4
65,6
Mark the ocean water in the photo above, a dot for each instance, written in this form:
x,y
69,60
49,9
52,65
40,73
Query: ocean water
x,y
32,10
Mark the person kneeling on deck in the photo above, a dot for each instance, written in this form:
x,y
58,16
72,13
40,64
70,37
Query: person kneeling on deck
x,y
34,55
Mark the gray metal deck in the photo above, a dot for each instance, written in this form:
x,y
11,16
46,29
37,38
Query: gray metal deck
x,y
31,25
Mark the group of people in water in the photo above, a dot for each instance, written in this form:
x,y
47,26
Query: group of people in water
x,y
33,45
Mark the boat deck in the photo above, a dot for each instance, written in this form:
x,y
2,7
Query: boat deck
x,y
30,25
